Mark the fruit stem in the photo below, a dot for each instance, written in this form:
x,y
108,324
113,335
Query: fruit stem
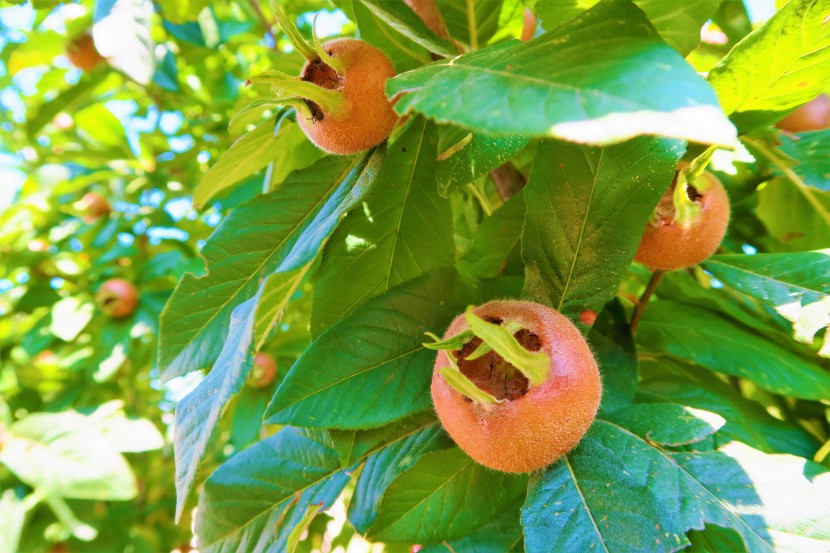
x,y
287,88
293,33
640,308
265,24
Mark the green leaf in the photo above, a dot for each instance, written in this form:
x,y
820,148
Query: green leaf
x,y
667,423
795,285
616,492
495,238
616,354
812,150
810,229
678,23
603,77
370,368
464,156
502,535
402,230
446,495
471,22
255,500
386,464
122,35
65,455
281,231
403,53
12,517
534,365
781,65
250,153
400,17
586,211
720,345
713,539
178,11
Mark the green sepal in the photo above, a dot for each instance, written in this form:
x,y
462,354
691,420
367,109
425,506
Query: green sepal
x,y
293,33
450,344
331,61
685,210
288,89
534,365
459,382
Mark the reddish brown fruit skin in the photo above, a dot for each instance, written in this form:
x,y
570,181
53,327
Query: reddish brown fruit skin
x,y
94,206
529,25
536,429
117,298
264,371
812,116
367,117
82,52
669,246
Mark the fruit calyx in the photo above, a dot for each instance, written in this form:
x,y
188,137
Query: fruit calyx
x,y
493,361
685,203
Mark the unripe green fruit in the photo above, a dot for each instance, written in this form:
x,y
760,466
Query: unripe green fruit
x,y
812,116
117,298
532,426
365,117
668,244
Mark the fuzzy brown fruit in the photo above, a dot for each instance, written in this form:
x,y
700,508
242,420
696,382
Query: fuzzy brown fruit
x,y
82,52
117,298
669,244
365,117
93,206
264,371
534,425
812,116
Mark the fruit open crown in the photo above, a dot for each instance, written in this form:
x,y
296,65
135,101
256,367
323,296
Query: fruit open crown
x,y
498,338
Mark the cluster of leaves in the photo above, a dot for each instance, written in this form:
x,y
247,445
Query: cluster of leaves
x,y
713,415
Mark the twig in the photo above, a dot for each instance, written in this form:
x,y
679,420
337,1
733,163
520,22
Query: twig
x,y
265,24
508,180
640,308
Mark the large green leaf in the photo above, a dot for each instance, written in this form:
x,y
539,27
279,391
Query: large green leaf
x,y
678,23
494,239
182,11
404,53
668,424
795,285
502,535
616,354
603,77
402,230
805,224
713,341
812,150
446,495
586,211
617,492
471,22
370,368
281,231
64,454
254,501
782,64
400,17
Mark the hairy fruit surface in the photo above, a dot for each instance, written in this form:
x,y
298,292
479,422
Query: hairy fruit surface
x,y
669,243
117,298
264,371
365,117
812,116
531,426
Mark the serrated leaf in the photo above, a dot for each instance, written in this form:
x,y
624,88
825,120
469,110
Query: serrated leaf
x,y
370,368
122,35
616,492
280,231
720,345
402,230
678,23
795,285
401,18
810,230
781,65
613,346
812,151
65,455
667,423
494,239
502,535
586,211
255,500
402,52
471,22
444,496
603,77
464,156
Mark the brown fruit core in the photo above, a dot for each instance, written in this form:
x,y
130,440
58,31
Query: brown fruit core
x,y
491,373
666,211
323,76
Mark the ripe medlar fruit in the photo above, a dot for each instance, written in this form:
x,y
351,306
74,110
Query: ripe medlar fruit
x,y
508,417
93,206
264,371
687,226
82,52
117,298
812,116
